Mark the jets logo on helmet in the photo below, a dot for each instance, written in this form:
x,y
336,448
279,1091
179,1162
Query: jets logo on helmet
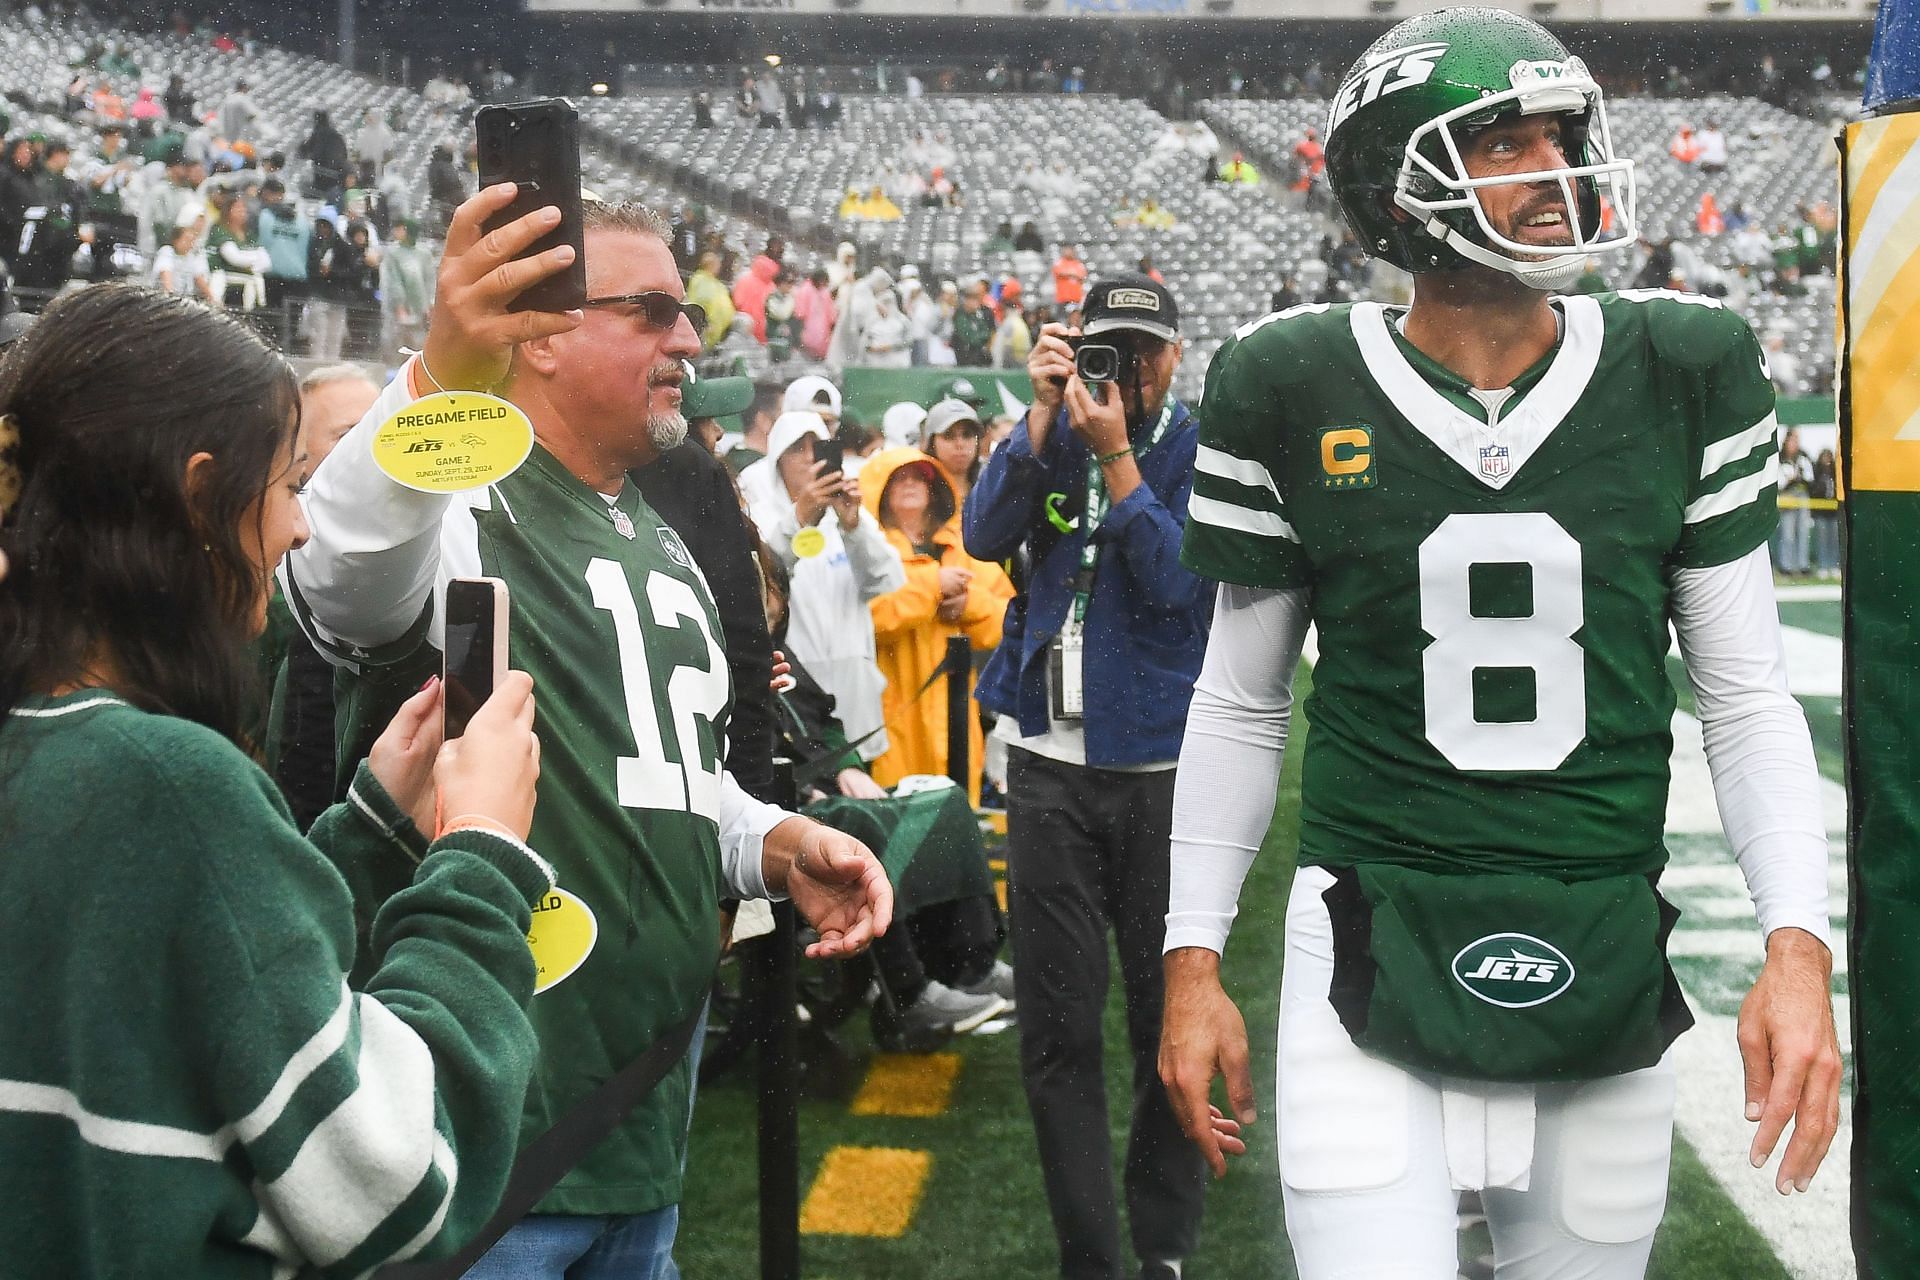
x,y
1397,135
1391,71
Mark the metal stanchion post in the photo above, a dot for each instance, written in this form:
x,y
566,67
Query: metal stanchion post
x,y
778,1084
959,710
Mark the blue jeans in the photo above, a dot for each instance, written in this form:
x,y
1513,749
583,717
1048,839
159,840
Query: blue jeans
x,y
569,1247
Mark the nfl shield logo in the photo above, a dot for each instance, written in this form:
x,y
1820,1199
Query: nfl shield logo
x,y
622,523
1493,461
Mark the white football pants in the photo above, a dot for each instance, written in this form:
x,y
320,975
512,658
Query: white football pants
x,y
1373,1156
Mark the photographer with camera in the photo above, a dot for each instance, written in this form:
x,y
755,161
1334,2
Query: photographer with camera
x,y
1092,680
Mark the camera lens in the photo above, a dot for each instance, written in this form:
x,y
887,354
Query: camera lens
x,y
1097,362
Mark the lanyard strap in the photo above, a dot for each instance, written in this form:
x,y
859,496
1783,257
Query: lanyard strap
x,y
1095,511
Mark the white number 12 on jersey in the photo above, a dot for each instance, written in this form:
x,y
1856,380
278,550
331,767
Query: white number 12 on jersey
x,y
1541,642
647,779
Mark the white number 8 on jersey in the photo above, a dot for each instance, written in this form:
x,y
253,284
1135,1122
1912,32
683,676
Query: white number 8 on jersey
x,y
1541,641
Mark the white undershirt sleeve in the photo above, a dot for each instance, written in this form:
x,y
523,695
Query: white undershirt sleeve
x,y
1229,772
1758,746
744,824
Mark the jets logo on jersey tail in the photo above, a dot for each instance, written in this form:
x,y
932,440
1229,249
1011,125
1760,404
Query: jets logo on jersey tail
x,y
1513,970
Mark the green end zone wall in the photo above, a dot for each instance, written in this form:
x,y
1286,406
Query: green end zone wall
x,y
1879,408
869,393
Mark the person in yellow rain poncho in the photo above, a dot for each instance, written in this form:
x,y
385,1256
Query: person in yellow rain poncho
x,y
707,290
948,593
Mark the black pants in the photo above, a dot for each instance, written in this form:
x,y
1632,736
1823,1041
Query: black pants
x,y
1087,852
951,942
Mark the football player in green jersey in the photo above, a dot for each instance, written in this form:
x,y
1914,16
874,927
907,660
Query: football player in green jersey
x,y
1492,506
614,622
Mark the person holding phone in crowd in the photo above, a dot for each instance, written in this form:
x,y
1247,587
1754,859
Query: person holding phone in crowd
x,y
189,1084
616,625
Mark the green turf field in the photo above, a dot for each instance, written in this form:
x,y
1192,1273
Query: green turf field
x,y
981,1210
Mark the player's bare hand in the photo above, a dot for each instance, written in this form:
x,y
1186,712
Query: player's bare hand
x,y
1202,1035
1791,1053
1101,423
487,775
403,756
471,335
834,881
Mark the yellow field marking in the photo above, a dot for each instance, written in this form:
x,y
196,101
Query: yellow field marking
x,y
907,1084
999,868
994,820
865,1191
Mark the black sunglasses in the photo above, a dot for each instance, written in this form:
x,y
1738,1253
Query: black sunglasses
x,y
662,310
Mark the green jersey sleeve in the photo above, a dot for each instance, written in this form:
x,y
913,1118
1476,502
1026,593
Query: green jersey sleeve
x,y
1237,527
1731,507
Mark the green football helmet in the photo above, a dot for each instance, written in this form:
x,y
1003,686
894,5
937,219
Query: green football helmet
x,y
1393,142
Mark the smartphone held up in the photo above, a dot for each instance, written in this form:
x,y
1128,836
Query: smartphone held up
x,y
536,146
475,647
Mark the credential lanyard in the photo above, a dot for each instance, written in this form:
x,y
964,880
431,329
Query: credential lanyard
x,y
1094,512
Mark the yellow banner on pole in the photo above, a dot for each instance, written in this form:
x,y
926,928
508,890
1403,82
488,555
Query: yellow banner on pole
x,y
1880,293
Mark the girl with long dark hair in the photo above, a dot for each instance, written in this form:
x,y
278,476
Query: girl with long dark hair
x,y
189,1084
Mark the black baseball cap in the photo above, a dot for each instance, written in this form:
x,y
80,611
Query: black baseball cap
x,y
1130,300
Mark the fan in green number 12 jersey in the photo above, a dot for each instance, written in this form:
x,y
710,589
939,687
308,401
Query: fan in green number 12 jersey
x,y
612,619
1492,506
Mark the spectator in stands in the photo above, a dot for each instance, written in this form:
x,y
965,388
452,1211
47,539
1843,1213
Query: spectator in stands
x,y
179,101
1713,148
1000,243
373,142
1685,147
702,109
1012,339
857,310
844,269
330,287
180,268
406,289
973,327
1752,247
1707,219
130,629
1310,163
19,192
1826,518
814,308
1069,278
947,593
1793,478
1239,172
326,152
900,425
237,262
240,115
1029,239
755,283
1808,243
108,105
146,111
812,520
1737,218
51,232
922,312
889,334
1090,795
1784,367
942,190
705,290
783,329
446,189
756,422
768,100
287,237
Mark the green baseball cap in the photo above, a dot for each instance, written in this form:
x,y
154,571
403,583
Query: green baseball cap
x,y
714,397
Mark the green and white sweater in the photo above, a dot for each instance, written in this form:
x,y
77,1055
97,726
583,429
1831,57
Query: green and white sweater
x,y
188,1086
